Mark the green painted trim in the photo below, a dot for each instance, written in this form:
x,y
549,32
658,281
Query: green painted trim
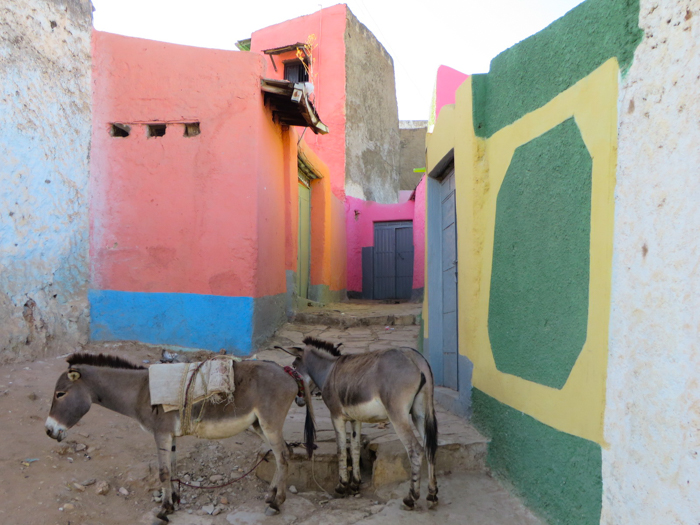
x,y
558,475
534,71
538,303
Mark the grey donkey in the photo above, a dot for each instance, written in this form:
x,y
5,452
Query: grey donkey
x,y
263,394
395,385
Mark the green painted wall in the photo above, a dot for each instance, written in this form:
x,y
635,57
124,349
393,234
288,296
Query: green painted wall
x,y
538,307
558,475
531,73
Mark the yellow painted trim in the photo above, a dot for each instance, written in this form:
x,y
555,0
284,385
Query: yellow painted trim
x,y
578,408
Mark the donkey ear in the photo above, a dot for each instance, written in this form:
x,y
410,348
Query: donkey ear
x,y
293,351
73,375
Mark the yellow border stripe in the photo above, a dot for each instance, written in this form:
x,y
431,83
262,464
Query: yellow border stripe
x,y
481,165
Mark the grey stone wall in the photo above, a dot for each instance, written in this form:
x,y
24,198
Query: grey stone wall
x,y
45,129
372,130
412,152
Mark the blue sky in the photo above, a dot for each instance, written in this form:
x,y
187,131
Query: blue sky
x,y
419,35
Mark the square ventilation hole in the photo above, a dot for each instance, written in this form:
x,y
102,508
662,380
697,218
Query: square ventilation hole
x,y
119,130
192,129
156,130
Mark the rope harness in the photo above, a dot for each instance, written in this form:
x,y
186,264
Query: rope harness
x,y
187,394
186,420
300,399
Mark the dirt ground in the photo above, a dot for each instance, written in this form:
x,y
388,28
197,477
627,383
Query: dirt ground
x,y
46,482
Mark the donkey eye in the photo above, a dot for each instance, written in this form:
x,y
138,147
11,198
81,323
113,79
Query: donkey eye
x,y
60,394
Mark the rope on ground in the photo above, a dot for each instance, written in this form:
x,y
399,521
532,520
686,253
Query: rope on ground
x,y
180,482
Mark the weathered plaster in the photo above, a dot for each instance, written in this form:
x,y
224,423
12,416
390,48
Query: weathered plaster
x,y
412,152
45,115
372,118
651,470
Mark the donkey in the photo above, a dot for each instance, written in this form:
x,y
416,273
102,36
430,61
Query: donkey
x,y
395,385
263,394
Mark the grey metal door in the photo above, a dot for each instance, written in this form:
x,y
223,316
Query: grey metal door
x,y
449,281
393,260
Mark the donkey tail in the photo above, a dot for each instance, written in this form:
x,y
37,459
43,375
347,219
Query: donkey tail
x,y
309,426
431,425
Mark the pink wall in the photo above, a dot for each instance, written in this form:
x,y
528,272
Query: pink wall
x,y
448,80
419,235
176,214
329,27
360,218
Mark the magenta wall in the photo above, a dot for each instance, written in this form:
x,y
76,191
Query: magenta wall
x,y
360,218
448,80
419,236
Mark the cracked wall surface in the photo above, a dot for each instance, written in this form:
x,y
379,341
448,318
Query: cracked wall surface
x,y
372,144
651,470
45,119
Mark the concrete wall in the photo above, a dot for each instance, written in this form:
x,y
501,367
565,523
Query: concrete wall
x,y
328,27
652,417
535,146
372,147
182,251
411,152
45,115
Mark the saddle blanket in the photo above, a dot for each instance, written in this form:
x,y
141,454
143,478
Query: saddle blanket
x,y
168,382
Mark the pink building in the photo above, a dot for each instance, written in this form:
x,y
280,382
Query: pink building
x,y
195,199
214,207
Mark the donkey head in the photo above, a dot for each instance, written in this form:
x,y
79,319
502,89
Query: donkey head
x,y
314,360
71,401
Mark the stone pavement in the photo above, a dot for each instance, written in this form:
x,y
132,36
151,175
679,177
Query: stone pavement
x,y
365,326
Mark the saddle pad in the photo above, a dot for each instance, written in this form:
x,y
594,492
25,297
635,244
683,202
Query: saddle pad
x,y
167,382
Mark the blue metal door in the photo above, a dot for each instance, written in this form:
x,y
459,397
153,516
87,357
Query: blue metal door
x,y
393,260
448,266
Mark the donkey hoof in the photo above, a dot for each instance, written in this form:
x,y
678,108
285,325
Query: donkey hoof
x,y
408,503
271,511
432,501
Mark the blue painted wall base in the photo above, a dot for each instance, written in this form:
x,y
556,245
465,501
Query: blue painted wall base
x,y
209,322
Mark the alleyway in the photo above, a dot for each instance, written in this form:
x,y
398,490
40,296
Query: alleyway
x,y
48,482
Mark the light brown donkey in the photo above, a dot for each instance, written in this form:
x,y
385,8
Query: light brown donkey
x,y
395,385
263,394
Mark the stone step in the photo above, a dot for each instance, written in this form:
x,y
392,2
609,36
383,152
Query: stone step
x,y
461,448
348,320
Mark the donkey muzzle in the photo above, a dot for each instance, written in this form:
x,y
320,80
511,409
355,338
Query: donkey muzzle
x,y
55,430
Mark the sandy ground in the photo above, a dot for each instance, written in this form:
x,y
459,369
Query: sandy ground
x,y
46,482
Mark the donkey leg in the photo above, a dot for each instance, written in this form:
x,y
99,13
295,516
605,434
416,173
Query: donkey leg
x,y
164,443
339,425
402,425
173,472
423,412
278,488
355,445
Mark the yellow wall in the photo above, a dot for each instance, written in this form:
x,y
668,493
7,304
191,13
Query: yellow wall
x,y
480,166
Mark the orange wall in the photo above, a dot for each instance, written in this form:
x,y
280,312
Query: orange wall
x,y
328,259
176,214
329,88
